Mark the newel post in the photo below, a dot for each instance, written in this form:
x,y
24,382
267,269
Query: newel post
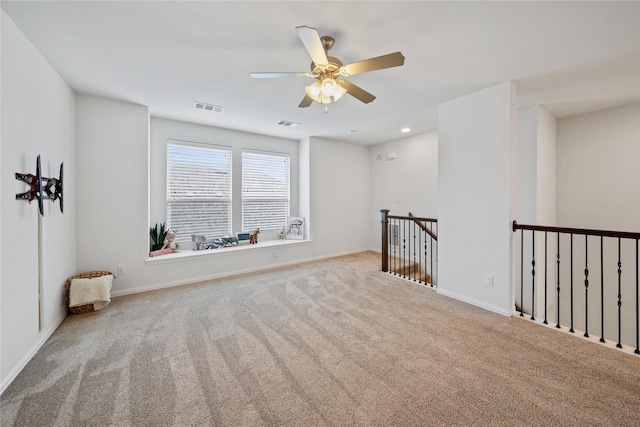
x,y
385,239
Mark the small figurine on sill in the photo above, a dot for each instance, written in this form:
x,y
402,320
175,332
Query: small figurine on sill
x,y
253,238
282,234
199,241
171,243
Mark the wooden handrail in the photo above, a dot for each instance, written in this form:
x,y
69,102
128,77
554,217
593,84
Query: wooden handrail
x,y
423,226
583,231
412,217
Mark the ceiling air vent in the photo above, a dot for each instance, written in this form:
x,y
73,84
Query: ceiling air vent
x,y
208,107
288,124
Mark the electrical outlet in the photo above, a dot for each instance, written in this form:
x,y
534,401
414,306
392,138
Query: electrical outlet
x,y
122,268
488,279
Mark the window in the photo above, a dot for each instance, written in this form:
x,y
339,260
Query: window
x,y
198,189
265,191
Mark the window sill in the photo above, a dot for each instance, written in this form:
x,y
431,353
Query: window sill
x,y
188,254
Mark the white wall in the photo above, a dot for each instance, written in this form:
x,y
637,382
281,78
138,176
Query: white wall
x,y
38,110
546,170
536,199
598,163
164,129
599,170
118,134
476,196
339,197
408,183
112,209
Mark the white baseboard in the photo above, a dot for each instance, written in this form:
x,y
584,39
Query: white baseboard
x,y
20,366
481,304
191,280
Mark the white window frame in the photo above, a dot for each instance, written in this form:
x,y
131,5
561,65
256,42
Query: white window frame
x,y
266,190
211,195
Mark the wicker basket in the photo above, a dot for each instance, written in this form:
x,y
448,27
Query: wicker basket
x,y
86,308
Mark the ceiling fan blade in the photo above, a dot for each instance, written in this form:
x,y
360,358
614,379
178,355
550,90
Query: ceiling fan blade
x,y
378,63
269,75
305,102
356,92
313,44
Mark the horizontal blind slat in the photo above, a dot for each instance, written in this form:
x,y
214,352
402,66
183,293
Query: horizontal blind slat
x,y
198,190
265,191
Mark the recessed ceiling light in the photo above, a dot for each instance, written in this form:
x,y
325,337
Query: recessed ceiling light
x,y
405,130
352,131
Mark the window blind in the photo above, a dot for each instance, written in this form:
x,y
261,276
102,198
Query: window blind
x,y
198,190
265,191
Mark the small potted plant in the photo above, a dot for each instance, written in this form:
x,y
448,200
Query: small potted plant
x,y
157,236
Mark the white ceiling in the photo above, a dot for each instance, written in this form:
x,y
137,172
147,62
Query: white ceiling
x,y
571,57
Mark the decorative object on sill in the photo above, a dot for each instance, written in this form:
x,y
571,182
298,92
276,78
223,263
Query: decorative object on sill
x,y
282,235
254,236
41,188
243,237
223,242
160,252
88,292
171,242
157,236
199,242
295,228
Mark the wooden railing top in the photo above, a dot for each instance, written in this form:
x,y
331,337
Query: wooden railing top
x,y
584,231
410,217
423,226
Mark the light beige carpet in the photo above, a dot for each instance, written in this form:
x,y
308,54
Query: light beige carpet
x,y
334,342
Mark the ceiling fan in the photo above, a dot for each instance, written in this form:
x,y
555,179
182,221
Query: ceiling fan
x,y
328,70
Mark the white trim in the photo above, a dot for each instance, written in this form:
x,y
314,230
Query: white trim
x,y
188,254
481,304
20,366
592,338
228,274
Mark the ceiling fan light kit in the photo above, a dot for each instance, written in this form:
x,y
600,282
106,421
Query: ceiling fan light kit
x,y
327,70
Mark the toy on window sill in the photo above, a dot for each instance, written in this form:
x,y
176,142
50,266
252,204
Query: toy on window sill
x,y
282,235
171,243
253,238
199,242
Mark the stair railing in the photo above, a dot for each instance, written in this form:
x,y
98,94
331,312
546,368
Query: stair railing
x,y
410,247
557,295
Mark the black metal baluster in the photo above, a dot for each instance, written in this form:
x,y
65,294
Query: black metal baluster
x,y
437,270
533,273
558,287
400,247
431,259
546,259
586,285
394,238
637,350
419,248
399,260
409,266
521,272
404,249
425,257
571,283
414,251
619,344
602,289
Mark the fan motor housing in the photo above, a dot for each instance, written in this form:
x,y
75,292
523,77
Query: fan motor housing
x,y
332,68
